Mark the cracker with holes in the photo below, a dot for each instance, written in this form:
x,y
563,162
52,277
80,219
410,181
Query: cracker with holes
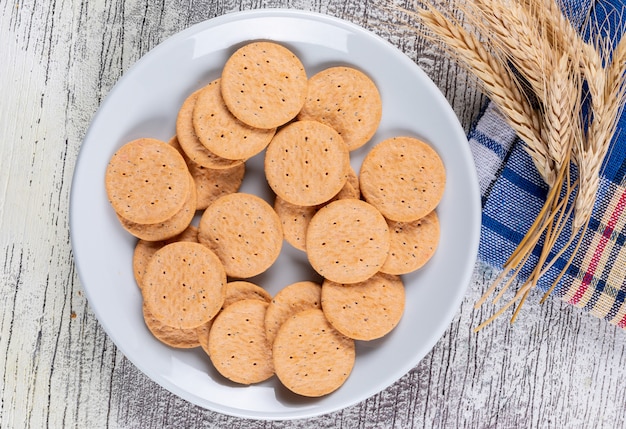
x,y
174,337
288,301
147,181
306,163
244,231
347,100
144,250
412,244
212,183
170,227
237,345
235,291
189,142
221,132
311,358
240,289
264,84
347,241
184,285
367,310
403,177
295,220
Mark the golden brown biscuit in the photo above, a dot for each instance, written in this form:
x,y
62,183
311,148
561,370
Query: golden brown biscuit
x,y
347,100
403,177
220,132
184,285
237,345
244,231
347,241
264,84
144,250
412,244
311,358
365,310
306,163
146,181
288,301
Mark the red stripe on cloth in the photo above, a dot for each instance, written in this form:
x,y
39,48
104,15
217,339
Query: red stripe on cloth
x,y
593,264
622,323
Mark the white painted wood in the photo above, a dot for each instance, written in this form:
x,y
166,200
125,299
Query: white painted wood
x,y
556,367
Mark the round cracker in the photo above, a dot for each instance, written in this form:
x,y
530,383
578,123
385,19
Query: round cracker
x,y
173,337
168,228
306,163
212,183
235,291
347,241
221,132
412,244
189,142
365,310
144,250
403,177
244,231
288,301
184,285
311,358
241,289
347,100
295,220
146,181
264,84
202,333
237,345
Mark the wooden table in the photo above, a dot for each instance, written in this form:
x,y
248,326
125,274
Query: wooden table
x,y
556,367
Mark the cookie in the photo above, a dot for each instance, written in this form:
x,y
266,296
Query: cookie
x,y
235,291
146,181
295,220
311,358
347,100
189,142
144,250
403,177
173,337
240,289
244,231
237,345
220,132
264,84
412,244
367,310
170,227
184,285
212,183
288,301
306,163
347,241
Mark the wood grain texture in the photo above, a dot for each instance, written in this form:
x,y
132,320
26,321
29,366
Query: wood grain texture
x,y
556,367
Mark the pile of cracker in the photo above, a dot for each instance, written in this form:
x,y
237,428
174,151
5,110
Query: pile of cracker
x,y
361,232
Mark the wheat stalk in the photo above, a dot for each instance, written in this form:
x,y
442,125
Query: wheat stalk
x,y
498,81
531,40
607,88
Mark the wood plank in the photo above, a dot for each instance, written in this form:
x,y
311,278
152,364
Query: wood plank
x,y
556,367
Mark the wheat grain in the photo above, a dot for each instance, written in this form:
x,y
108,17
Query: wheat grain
x,y
498,82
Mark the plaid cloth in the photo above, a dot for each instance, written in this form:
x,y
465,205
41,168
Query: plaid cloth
x,y
513,194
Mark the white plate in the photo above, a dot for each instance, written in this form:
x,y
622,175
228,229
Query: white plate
x,y
144,104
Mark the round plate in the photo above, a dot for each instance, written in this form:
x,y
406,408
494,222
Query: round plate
x,y
144,103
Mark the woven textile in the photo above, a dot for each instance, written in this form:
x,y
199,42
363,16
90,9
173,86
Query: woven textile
x,y
513,194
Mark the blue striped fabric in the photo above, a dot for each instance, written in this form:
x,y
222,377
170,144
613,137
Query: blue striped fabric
x,y
513,194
